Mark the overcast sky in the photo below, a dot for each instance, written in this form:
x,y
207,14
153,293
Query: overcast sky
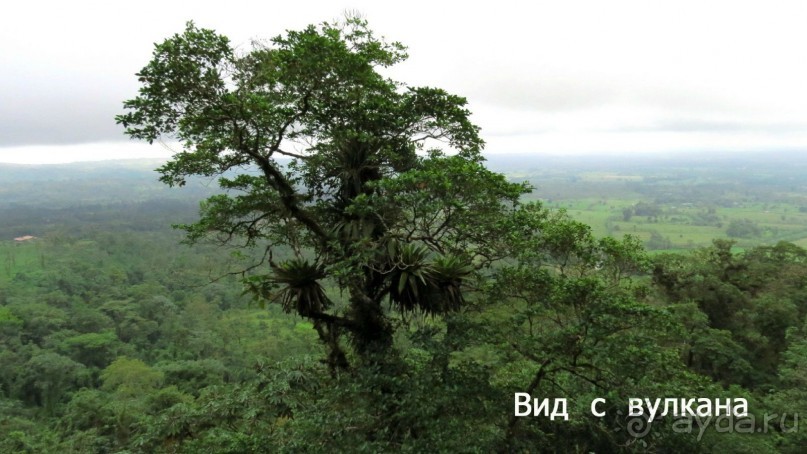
x,y
549,77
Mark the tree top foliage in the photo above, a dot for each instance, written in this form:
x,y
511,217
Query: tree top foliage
x,y
385,194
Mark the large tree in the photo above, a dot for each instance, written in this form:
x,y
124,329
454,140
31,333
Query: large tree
x,y
376,188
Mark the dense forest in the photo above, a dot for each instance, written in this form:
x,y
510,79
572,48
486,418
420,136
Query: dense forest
x,y
116,337
371,293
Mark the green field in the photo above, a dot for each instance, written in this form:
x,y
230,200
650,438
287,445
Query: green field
x,y
20,258
679,225
676,206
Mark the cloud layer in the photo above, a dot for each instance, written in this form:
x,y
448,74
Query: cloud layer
x,y
545,77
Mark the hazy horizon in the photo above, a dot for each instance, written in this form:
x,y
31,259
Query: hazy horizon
x,y
769,155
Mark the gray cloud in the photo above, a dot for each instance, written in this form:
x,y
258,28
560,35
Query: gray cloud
x,y
534,69
64,121
51,103
718,126
565,94
551,94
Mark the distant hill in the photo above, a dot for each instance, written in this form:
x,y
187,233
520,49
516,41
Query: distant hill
x,y
80,170
101,182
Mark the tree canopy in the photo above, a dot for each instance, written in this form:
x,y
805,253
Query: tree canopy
x,y
374,186
436,292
